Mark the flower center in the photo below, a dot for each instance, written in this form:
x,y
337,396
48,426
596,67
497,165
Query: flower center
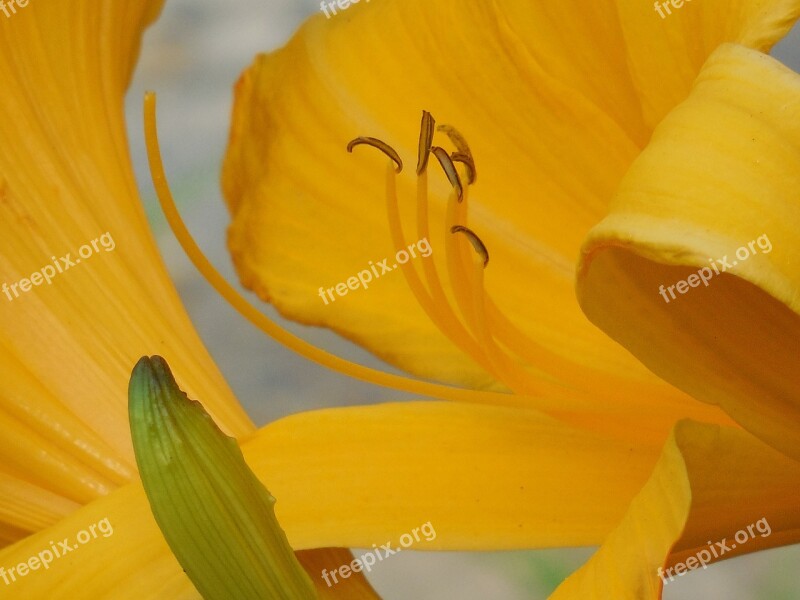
x,y
472,320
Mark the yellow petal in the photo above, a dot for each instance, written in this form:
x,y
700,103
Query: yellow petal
x,y
68,343
25,507
665,53
133,562
485,477
348,453
554,119
716,190
384,471
711,485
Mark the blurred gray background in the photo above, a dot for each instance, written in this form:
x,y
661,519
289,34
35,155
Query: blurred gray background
x,y
191,57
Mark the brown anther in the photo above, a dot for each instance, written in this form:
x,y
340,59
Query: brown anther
x,y
427,127
380,145
449,170
476,242
466,160
463,148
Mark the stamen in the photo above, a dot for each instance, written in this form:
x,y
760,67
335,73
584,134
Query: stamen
x,y
484,334
433,301
467,161
476,242
425,141
510,336
272,329
543,360
398,239
579,405
448,322
380,145
467,272
449,170
456,263
510,372
463,148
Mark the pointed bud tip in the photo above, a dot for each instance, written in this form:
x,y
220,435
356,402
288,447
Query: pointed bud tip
x,y
151,384
154,367
155,370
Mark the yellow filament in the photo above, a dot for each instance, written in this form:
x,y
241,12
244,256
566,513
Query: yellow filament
x,y
466,270
265,324
437,307
509,373
508,370
447,320
457,215
399,241
533,353
523,346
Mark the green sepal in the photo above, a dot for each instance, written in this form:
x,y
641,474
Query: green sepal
x,y
216,516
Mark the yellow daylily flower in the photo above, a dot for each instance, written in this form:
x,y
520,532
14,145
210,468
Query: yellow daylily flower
x,y
68,347
84,295
654,149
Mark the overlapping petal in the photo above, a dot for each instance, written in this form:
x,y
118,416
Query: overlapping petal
x,y
486,477
134,562
665,54
709,485
68,343
713,202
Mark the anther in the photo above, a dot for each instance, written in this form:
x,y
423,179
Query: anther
x,y
380,145
466,160
426,130
463,148
476,242
449,169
